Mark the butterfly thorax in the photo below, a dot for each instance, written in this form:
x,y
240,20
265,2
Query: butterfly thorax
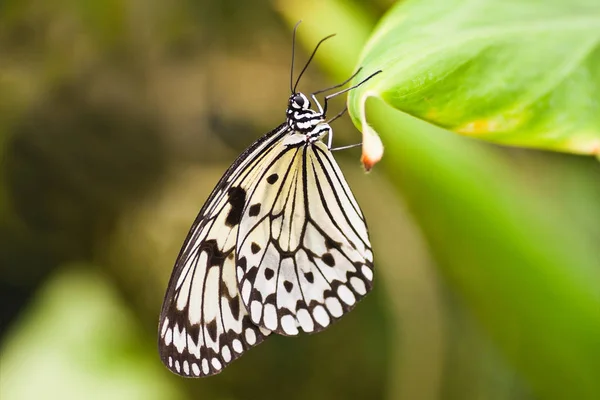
x,y
301,118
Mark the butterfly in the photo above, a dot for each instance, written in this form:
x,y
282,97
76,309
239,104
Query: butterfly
x,y
280,246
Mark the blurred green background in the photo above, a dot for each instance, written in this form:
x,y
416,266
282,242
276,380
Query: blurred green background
x,y
117,117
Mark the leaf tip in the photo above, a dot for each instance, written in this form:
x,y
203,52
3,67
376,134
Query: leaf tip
x,y
372,148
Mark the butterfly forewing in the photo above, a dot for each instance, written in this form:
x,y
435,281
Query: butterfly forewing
x,y
204,324
304,257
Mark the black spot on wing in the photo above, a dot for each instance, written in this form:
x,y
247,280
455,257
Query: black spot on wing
x,y
300,305
215,256
194,332
328,259
237,199
272,178
256,295
254,210
204,352
331,244
211,328
269,273
242,263
251,274
310,278
254,247
271,299
288,286
234,306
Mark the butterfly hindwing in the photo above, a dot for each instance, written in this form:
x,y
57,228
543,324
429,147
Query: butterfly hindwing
x,y
204,324
304,256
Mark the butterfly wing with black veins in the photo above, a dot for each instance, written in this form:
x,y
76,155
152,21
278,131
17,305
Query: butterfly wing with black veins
x,y
304,256
203,323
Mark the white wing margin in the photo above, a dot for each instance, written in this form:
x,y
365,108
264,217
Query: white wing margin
x,y
204,324
303,251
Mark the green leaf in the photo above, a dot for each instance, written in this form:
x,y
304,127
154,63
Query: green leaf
x,y
532,286
515,72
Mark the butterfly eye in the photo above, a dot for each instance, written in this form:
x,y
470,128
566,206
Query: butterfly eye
x,y
299,101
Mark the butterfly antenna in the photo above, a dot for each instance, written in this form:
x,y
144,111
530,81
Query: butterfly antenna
x,y
309,60
352,87
339,84
293,54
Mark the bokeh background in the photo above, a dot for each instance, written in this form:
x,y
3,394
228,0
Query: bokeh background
x,y
117,117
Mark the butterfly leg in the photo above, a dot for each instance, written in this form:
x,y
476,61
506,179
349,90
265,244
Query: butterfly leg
x,y
321,110
330,132
330,139
346,147
338,115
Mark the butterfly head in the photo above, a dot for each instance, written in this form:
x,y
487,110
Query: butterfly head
x,y
300,116
298,101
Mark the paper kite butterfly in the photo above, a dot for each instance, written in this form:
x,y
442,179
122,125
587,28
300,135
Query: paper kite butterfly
x,y
280,246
